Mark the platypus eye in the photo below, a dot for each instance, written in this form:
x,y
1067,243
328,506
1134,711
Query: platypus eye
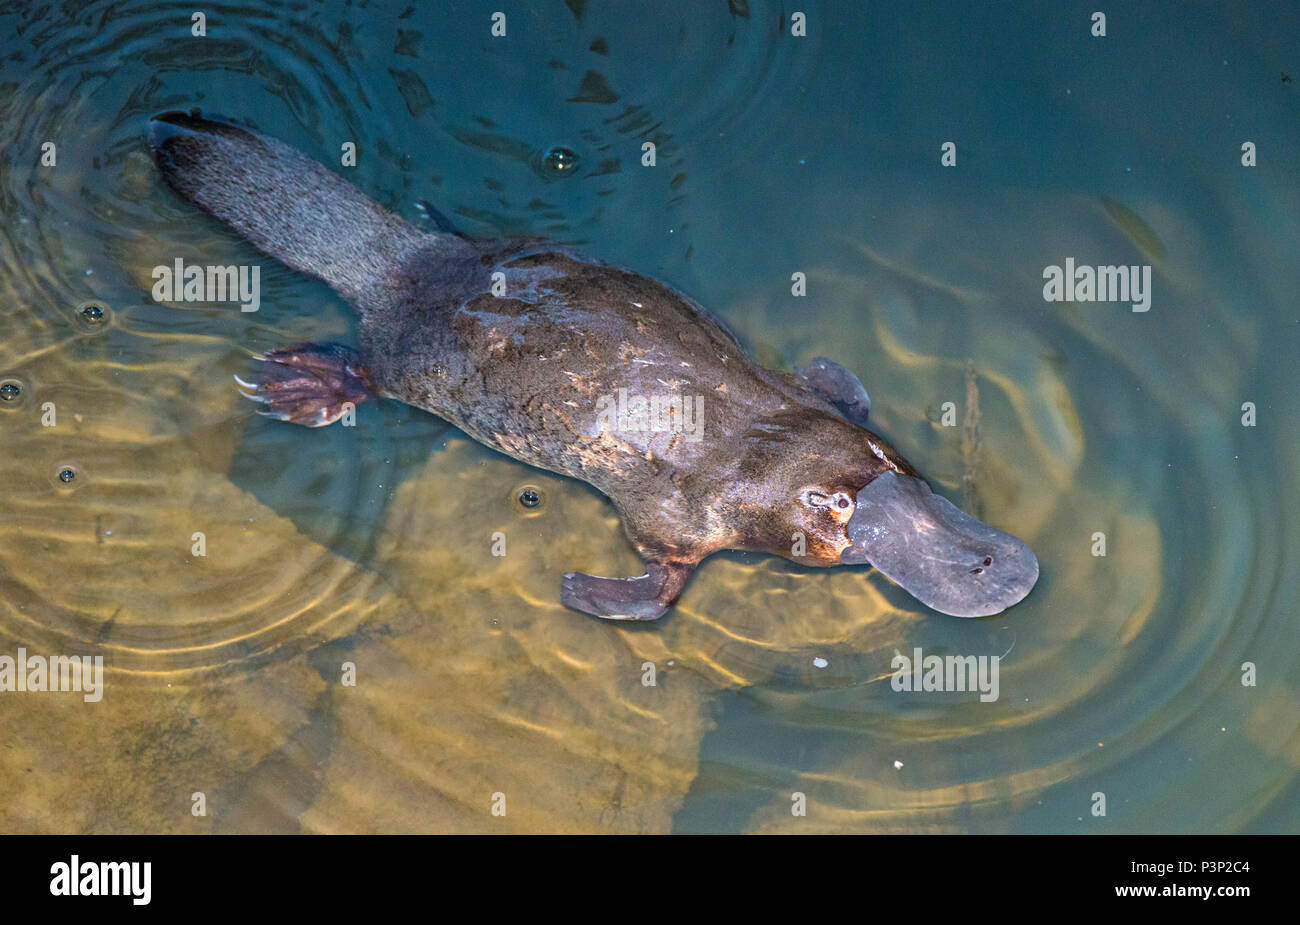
x,y
839,503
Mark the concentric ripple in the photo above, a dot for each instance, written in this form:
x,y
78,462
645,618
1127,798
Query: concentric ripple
x,y
189,542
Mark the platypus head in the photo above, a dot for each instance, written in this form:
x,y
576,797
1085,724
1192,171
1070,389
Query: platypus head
x,y
856,501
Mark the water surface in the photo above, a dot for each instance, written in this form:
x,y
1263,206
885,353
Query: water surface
x,y
775,154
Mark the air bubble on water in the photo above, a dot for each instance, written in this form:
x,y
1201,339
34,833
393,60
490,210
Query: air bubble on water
x,y
92,314
555,162
560,159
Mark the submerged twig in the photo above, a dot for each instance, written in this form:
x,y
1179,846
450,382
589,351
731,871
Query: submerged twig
x,y
970,443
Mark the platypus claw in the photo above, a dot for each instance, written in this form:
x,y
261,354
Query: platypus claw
x,y
249,391
312,385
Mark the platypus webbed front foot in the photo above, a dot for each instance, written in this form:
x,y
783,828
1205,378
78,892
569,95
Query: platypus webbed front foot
x,y
837,385
645,598
312,384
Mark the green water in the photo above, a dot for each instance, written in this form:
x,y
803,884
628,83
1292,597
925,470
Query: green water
x,y
371,546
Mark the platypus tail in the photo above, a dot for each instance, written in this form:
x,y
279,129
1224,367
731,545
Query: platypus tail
x,y
284,202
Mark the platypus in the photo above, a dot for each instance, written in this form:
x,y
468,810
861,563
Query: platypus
x,y
595,372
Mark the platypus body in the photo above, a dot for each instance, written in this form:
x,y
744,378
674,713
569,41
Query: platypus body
x,y
538,352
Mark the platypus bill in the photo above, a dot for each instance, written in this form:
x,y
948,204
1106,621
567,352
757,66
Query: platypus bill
x,y
529,347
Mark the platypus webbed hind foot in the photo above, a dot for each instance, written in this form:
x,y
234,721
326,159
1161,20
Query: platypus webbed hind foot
x,y
645,598
837,385
312,384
